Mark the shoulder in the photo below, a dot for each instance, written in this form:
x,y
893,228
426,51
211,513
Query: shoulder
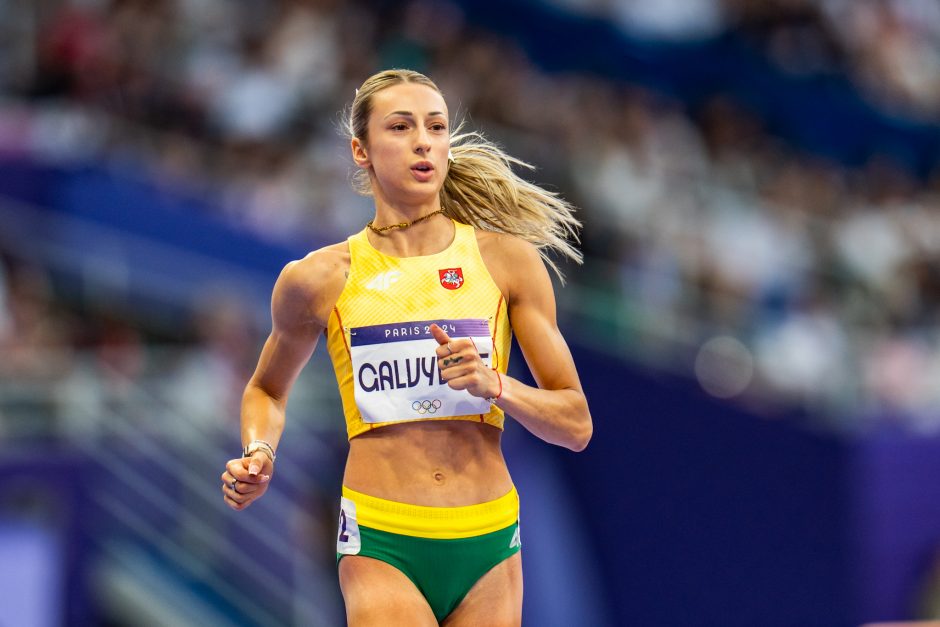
x,y
514,263
317,270
308,287
504,246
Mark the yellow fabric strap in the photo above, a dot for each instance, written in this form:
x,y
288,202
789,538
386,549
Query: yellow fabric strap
x,y
442,523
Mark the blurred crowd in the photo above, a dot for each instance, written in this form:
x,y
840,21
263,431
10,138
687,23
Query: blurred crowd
x,y
820,283
67,366
890,48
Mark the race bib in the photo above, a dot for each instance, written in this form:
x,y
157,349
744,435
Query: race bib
x,y
348,540
395,373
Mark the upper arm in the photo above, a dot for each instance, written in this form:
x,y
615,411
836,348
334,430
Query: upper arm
x,y
300,305
531,299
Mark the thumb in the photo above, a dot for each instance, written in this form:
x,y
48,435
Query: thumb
x,y
256,463
439,334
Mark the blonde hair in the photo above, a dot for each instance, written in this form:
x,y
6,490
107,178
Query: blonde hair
x,y
481,189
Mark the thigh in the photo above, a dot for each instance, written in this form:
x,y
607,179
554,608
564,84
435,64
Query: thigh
x,y
495,599
377,593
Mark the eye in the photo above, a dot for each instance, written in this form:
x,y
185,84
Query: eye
x,y
438,126
399,126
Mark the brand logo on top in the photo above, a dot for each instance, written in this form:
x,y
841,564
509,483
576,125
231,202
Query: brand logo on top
x,y
451,278
383,280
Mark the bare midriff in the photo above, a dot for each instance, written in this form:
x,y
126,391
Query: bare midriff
x,y
432,463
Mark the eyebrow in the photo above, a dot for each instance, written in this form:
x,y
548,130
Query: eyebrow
x,y
411,115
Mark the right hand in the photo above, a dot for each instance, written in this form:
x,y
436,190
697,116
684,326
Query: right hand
x,y
251,476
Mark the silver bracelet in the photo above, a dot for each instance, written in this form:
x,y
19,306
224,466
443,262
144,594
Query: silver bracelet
x,y
255,445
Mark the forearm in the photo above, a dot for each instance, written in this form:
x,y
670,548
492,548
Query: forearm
x,y
557,416
262,416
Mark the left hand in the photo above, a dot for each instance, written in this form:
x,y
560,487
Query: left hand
x,y
462,367
246,479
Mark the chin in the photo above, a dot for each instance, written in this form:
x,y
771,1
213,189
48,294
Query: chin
x,y
416,191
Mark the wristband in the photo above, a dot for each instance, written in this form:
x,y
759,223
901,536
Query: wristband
x,y
492,400
261,445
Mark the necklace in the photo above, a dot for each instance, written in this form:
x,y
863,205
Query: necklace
x,y
402,225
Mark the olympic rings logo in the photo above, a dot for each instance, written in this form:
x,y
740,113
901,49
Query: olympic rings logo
x,y
426,407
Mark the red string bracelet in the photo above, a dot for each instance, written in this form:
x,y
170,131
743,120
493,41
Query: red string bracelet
x,y
493,399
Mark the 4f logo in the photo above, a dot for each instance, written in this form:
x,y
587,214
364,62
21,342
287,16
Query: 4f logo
x,y
451,278
383,280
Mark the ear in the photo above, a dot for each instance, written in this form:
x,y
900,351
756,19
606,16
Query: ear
x,y
359,153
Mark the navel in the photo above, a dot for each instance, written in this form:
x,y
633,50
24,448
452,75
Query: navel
x,y
439,477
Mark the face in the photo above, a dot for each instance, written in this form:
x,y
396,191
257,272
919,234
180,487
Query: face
x,y
407,145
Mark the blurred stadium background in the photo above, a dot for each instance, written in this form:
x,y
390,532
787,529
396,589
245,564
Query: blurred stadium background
x,y
756,323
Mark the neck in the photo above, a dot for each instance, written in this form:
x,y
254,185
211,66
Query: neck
x,y
387,213
424,237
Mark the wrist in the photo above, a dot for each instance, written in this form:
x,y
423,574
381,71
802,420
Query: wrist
x,y
259,445
499,389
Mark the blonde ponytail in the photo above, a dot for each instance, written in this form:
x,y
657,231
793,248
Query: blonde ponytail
x,y
481,189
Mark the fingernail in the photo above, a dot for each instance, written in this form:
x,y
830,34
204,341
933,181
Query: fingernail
x,y
254,469
265,477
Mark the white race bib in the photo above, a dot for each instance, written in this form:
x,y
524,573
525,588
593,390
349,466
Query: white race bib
x,y
348,540
395,373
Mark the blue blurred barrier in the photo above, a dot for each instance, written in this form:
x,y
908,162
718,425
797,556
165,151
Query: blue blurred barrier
x,y
32,591
114,226
42,537
896,523
700,513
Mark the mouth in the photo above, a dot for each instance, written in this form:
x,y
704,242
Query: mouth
x,y
423,171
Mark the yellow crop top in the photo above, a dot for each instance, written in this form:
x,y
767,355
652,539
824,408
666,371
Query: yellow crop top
x,y
379,340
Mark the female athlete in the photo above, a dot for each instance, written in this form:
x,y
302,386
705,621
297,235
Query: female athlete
x,y
418,310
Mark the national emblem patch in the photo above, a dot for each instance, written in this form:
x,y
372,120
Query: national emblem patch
x,y
451,278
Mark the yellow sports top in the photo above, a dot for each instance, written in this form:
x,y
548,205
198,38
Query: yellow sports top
x,y
379,340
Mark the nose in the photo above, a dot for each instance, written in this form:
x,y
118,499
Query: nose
x,y
422,142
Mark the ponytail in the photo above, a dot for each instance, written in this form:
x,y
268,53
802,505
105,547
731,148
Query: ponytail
x,y
481,189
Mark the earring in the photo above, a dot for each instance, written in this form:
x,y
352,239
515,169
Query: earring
x,y
450,155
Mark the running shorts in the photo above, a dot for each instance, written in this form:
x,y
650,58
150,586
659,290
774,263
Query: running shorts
x,y
444,551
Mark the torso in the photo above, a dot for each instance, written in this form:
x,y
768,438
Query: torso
x,y
443,464
439,463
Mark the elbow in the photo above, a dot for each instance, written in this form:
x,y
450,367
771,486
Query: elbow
x,y
582,438
584,427
255,389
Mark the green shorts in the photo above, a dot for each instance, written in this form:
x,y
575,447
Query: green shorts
x,y
443,550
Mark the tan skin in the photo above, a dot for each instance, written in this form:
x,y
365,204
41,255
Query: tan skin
x,y
439,463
